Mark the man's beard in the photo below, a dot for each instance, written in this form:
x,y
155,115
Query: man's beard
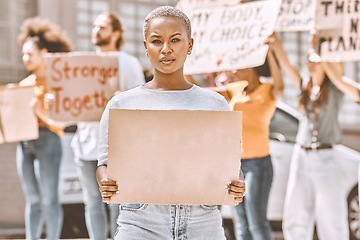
x,y
102,41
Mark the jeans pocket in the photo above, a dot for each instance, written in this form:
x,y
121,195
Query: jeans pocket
x,y
209,207
133,206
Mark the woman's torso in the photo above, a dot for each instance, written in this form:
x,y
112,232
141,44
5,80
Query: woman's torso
x,y
258,107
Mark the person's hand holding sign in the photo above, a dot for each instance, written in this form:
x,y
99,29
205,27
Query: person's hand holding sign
x,y
107,187
236,189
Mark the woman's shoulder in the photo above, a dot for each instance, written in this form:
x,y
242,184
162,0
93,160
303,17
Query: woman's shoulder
x,y
133,92
211,98
28,81
207,93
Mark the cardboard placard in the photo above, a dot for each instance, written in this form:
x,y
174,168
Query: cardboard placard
x,y
82,84
187,5
338,30
296,15
17,120
174,156
232,37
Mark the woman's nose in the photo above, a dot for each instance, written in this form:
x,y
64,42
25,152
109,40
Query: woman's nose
x,y
166,49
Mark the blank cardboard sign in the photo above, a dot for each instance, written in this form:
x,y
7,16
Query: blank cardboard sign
x,y
174,156
17,120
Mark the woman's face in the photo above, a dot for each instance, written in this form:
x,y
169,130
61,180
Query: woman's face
x,y
32,56
167,44
246,74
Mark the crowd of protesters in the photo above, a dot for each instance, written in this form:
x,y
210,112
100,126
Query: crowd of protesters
x,y
314,191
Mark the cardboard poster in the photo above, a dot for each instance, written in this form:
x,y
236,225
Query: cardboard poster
x,y
187,5
338,30
17,120
174,156
82,84
232,37
296,15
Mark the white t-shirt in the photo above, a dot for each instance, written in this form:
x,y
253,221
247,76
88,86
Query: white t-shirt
x,y
85,141
195,98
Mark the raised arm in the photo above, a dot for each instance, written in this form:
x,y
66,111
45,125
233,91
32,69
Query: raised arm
x,y
290,70
335,72
278,83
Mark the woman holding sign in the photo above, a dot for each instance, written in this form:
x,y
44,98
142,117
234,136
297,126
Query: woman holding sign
x,y
168,41
314,191
38,160
257,100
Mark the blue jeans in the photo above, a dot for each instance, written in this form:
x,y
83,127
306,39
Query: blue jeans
x,y
250,215
165,222
95,211
38,164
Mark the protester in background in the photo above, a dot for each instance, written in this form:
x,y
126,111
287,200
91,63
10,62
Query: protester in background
x,y
38,161
256,99
107,35
315,190
167,40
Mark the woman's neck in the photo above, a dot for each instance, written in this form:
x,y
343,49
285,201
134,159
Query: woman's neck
x,y
40,72
253,83
168,82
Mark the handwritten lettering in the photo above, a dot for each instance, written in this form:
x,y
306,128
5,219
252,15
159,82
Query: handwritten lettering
x,y
252,31
354,25
338,7
76,105
60,70
289,23
240,15
200,18
340,43
294,7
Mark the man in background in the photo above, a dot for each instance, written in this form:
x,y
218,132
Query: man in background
x,y
107,35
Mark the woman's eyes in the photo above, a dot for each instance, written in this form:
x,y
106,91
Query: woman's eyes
x,y
156,41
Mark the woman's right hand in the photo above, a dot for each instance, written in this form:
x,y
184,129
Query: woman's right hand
x,y
108,188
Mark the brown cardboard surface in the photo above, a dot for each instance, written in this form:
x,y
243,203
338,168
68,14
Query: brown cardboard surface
x,y
174,156
82,83
17,120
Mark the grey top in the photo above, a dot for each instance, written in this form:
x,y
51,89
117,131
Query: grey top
x,y
195,98
326,123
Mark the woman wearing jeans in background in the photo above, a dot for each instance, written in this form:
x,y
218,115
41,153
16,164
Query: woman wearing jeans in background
x,y
38,161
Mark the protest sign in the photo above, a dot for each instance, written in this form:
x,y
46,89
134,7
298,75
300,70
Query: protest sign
x,y
296,15
174,156
337,24
229,38
187,5
17,120
82,84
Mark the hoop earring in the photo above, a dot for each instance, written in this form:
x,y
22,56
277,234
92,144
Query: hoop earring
x,y
147,54
189,52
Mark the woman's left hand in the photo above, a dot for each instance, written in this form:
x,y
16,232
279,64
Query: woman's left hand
x,y
236,188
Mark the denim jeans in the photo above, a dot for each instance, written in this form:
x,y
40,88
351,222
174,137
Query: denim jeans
x,y
38,164
250,215
165,222
95,209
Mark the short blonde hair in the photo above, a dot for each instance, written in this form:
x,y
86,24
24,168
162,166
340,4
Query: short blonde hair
x,y
167,11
